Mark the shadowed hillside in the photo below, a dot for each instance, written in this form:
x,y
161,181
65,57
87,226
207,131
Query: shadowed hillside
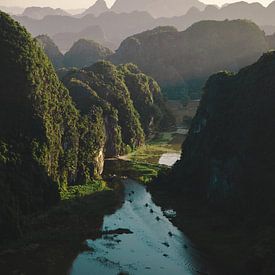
x,y
183,60
226,172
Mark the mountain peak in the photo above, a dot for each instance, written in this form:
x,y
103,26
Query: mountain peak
x,y
97,8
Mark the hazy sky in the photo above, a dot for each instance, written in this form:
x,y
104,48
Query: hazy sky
x,y
73,4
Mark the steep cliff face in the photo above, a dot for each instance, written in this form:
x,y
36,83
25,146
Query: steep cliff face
x,y
147,98
105,80
51,50
228,156
90,106
43,138
85,53
131,102
38,134
188,58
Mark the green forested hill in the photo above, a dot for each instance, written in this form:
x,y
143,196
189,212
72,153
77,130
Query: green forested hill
x,y
84,53
135,98
50,137
226,172
41,133
51,50
182,61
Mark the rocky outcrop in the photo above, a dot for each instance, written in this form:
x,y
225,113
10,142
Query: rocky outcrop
x,y
51,50
84,53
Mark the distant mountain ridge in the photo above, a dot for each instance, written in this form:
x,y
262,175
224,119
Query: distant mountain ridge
x,y
41,12
65,40
97,8
51,50
117,27
85,53
157,8
185,59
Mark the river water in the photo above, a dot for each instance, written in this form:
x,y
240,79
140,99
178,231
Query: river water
x,y
147,244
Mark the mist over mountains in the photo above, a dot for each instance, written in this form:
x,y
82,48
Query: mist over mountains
x,y
111,26
91,104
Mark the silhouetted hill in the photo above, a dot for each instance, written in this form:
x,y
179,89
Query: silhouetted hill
x,y
157,8
85,53
97,8
262,16
40,13
67,39
116,27
185,59
12,10
223,186
51,50
271,41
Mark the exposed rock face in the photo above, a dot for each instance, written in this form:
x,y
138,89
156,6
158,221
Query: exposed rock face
x,y
51,50
40,13
159,8
228,157
98,7
174,58
85,53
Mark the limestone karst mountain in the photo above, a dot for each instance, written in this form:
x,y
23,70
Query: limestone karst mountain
x,y
184,60
51,50
84,53
97,8
157,8
41,12
65,40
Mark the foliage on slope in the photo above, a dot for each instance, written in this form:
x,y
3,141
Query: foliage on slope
x,y
42,135
51,50
132,103
228,155
84,53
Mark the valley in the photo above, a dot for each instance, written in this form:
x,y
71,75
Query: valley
x,y
137,138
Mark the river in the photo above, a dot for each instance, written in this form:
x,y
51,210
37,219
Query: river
x,y
138,239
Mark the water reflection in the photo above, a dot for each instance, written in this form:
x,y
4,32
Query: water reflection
x,y
169,159
155,247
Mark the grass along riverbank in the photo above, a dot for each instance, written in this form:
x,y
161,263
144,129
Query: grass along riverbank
x,y
161,143
54,238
